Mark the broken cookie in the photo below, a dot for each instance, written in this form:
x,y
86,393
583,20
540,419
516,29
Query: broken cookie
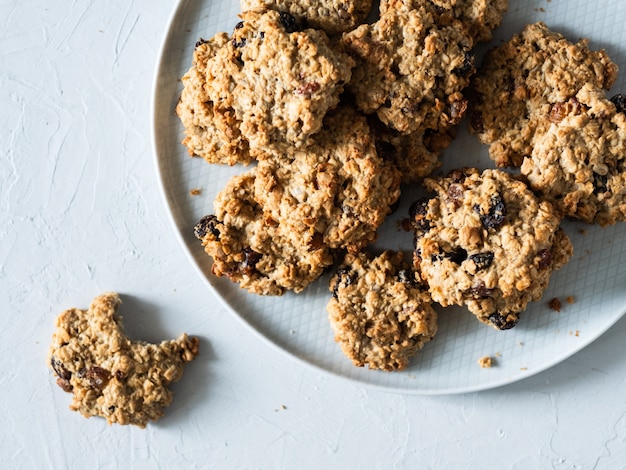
x,y
109,375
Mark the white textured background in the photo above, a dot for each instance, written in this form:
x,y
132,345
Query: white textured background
x,y
81,213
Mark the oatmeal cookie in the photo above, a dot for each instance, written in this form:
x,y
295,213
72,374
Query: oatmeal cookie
x,y
480,17
337,192
249,248
277,79
380,315
410,70
109,375
579,163
487,242
332,16
212,136
519,82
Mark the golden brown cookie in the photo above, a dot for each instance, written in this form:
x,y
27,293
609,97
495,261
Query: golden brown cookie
x,y
411,70
484,240
109,375
519,82
337,192
277,79
248,247
380,315
579,162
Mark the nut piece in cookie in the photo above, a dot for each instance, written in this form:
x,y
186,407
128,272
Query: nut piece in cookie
x,y
331,16
275,81
249,248
579,162
337,192
380,315
519,83
487,242
480,17
109,375
411,70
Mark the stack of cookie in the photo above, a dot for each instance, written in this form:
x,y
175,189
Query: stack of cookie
x,y
336,113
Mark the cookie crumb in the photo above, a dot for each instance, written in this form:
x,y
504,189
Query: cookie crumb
x,y
570,299
555,304
486,362
195,192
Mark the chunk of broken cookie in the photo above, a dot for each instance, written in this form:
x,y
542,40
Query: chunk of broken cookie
x,y
109,375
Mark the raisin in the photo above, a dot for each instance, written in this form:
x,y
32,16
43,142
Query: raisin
x,y
600,183
545,259
503,322
251,258
346,277
619,101
436,258
307,88
417,214
467,67
290,24
457,176
60,369
97,377
457,256
480,291
239,43
457,110
65,385
201,41
206,225
482,260
406,276
455,192
239,25
317,241
496,215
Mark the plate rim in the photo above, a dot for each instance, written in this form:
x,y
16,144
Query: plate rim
x,y
169,205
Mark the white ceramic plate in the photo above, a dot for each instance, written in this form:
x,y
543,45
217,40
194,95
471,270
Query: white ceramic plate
x,y
297,324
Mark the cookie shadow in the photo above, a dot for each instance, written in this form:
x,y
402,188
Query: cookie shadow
x,y
192,391
142,321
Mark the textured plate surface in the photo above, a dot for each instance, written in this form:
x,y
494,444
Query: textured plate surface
x,y
297,324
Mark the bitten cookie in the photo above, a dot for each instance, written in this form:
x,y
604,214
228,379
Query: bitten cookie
x,y
335,193
485,241
249,248
109,375
411,70
519,82
380,315
480,17
210,135
277,79
332,16
579,163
